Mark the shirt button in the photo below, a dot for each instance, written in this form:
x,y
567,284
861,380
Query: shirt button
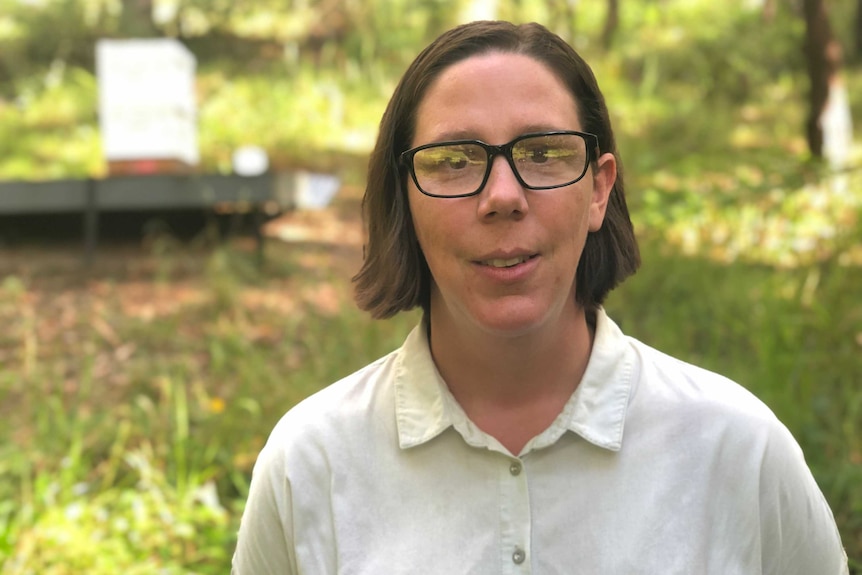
x,y
518,556
515,468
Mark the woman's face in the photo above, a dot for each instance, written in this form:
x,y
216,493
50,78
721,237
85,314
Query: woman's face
x,y
503,262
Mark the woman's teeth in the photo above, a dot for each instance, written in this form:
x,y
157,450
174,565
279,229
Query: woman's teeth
x,y
501,263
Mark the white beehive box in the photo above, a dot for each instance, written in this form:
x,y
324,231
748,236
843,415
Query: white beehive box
x,y
147,107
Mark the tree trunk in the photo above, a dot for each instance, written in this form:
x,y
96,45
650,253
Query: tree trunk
x,y
769,8
612,23
828,127
858,31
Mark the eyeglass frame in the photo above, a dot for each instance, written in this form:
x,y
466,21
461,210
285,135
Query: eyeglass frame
x,y
505,150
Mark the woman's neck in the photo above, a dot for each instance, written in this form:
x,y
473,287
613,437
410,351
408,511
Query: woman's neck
x,y
513,387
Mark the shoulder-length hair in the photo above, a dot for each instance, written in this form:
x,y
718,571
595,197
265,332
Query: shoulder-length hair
x,y
395,276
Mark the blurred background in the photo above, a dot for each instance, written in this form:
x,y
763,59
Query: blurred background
x,y
139,379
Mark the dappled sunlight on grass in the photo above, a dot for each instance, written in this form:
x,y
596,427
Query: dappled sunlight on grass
x,y
775,226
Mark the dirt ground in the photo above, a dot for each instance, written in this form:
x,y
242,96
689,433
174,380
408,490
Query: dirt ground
x,y
153,274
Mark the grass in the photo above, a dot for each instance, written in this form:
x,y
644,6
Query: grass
x,y
134,428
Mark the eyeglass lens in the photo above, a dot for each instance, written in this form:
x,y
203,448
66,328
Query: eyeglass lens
x,y
541,162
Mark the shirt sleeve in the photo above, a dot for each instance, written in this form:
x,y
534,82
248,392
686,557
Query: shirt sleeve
x,y
798,531
264,545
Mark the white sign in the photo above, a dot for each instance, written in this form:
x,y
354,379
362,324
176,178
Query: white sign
x,y
147,107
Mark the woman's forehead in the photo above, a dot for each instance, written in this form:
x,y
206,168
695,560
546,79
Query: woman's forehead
x,y
494,92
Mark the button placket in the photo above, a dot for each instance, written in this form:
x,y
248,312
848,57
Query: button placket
x,y
516,516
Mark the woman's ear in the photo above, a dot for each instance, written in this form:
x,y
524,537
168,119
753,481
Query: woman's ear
x,y
604,177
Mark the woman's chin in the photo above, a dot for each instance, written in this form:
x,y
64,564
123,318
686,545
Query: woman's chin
x,y
509,316
511,320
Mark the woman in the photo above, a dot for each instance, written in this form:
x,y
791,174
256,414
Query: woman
x,y
517,430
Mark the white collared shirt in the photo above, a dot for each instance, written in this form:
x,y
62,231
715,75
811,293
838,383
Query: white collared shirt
x,y
653,467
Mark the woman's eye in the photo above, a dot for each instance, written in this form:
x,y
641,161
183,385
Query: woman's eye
x,y
538,155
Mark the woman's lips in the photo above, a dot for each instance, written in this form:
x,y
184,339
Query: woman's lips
x,y
501,262
509,269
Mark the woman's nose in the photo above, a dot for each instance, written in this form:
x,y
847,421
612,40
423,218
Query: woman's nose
x,y
503,195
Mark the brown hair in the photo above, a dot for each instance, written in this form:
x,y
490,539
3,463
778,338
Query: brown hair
x,y
394,275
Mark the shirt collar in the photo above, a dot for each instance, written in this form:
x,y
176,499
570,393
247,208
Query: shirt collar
x,y
597,409
420,392
424,407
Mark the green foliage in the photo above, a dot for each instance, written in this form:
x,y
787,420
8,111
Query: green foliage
x,y
303,120
731,59
309,84
50,130
149,528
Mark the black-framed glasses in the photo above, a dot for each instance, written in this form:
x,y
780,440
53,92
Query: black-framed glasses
x,y
540,161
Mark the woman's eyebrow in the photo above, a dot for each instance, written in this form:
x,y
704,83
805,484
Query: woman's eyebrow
x,y
464,134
